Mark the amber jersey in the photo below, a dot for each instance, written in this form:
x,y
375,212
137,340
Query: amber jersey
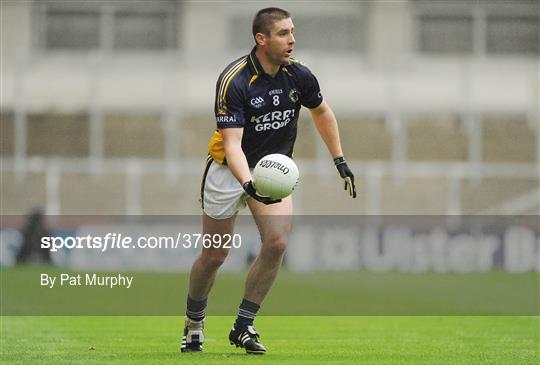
x,y
265,107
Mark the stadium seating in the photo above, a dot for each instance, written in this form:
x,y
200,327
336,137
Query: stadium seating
x,y
22,192
437,138
432,138
84,193
58,135
509,139
138,135
7,132
161,194
484,195
366,138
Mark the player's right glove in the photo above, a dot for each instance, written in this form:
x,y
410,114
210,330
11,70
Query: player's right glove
x,y
346,174
250,190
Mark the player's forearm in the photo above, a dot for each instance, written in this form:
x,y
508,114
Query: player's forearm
x,y
326,124
237,162
236,159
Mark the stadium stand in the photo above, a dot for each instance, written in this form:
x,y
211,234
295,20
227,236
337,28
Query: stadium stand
x,y
123,128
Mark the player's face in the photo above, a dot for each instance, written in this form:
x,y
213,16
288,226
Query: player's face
x,y
280,42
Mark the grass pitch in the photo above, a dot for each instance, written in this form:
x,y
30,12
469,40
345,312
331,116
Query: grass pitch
x,y
316,294
481,320
289,340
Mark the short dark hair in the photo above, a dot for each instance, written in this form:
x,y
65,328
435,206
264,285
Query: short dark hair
x,y
262,23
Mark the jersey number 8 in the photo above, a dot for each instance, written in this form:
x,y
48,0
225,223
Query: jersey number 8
x,y
276,100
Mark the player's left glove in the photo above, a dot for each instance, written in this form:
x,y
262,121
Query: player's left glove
x,y
250,190
346,174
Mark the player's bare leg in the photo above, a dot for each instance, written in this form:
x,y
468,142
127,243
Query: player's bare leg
x,y
201,279
204,269
274,223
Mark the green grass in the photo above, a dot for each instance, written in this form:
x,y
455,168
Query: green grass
x,y
482,318
359,293
289,340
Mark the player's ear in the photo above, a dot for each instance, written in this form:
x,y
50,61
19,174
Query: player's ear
x,y
260,39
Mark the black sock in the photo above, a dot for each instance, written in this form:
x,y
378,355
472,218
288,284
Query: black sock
x,y
195,309
246,314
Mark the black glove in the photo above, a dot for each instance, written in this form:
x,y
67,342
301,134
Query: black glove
x,y
346,174
250,190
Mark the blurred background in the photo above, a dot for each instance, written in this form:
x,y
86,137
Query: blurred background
x,y
107,109
106,106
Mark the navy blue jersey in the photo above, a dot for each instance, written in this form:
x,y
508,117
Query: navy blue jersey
x,y
266,107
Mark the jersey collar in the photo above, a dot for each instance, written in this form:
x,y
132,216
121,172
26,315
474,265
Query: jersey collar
x,y
255,66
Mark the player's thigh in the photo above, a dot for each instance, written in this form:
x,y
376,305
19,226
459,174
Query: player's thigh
x,y
212,226
274,221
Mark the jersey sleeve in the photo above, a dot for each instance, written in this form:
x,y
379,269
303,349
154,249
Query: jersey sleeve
x,y
310,93
229,105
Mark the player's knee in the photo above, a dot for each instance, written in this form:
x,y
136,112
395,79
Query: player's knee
x,y
215,258
276,246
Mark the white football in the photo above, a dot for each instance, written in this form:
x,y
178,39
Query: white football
x,y
275,176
